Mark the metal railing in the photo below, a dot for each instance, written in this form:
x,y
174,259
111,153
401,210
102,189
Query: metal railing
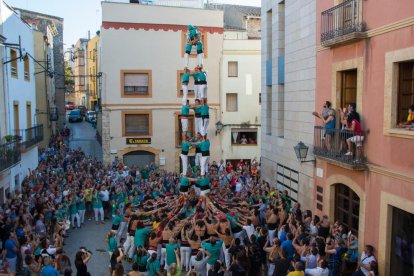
x,y
342,19
31,136
10,154
340,145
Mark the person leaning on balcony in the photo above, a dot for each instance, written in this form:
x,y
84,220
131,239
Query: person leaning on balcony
x,y
358,136
329,120
409,124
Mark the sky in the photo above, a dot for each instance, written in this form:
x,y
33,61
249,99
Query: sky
x,y
81,16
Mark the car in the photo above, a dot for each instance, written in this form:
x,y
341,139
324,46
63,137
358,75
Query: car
x,y
82,110
75,116
90,115
69,105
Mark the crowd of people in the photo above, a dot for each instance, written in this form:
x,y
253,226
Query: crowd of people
x,y
211,219
243,225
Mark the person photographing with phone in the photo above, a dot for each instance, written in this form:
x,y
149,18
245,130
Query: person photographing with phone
x,y
82,258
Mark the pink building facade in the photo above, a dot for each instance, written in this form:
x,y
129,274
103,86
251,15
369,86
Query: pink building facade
x,y
365,56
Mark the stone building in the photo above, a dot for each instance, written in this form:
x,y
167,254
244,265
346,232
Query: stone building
x,y
288,94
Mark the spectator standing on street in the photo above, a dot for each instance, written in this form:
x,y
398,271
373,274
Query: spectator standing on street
x,y
105,202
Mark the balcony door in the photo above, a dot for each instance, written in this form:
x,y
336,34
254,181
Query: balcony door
x,y
348,87
347,207
16,119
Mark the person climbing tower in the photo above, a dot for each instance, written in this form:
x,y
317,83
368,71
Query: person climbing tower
x,y
200,83
184,84
193,38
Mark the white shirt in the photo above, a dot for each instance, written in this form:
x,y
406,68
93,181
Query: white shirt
x,y
249,230
317,271
105,195
365,260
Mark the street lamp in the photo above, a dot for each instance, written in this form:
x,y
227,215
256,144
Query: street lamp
x,y
301,151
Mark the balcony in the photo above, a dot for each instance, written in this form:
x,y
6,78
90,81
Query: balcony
x,y
31,136
9,154
332,147
342,24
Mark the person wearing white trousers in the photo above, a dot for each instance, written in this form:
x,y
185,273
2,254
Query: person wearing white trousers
x,y
197,117
129,246
205,117
74,213
185,112
200,83
185,147
193,38
205,156
184,84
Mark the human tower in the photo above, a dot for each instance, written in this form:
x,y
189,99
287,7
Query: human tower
x,y
201,114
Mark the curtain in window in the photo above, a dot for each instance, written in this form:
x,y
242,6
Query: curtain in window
x,y
136,83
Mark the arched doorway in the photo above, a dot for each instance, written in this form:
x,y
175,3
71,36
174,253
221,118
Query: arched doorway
x,y
138,158
347,207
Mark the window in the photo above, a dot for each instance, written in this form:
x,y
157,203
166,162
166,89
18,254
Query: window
x,y
137,123
347,207
233,69
81,80
29,114
244,136
179,87
405,90
260,98
16,118
287,180
193,50
231,102
26,68
13,63
402,239
348,87
136,83
179,129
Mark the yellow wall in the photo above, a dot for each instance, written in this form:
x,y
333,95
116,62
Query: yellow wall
x,y
93,68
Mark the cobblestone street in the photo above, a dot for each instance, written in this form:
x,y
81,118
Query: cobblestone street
x,y
83,135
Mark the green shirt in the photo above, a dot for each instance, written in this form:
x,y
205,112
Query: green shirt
x,y
205,145
204,110
214,251
185,146
200,76
142,260
204,182
81,204
117,219
153,267
96,201
184,182
170,255
186,78
185,110
197,110
140,236
73,209
112,245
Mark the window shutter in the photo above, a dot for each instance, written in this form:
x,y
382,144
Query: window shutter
x,y
231,102
136,124
136,80
233,69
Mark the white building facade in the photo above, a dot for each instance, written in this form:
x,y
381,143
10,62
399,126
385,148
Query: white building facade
x,y
20,98
288,94
240,97
143,46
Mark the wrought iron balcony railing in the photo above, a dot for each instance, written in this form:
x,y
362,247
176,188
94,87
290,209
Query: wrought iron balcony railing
x,y
342,146
342,23
31,136
10,154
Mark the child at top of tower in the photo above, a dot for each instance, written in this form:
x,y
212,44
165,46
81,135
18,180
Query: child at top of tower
x,y
193,38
